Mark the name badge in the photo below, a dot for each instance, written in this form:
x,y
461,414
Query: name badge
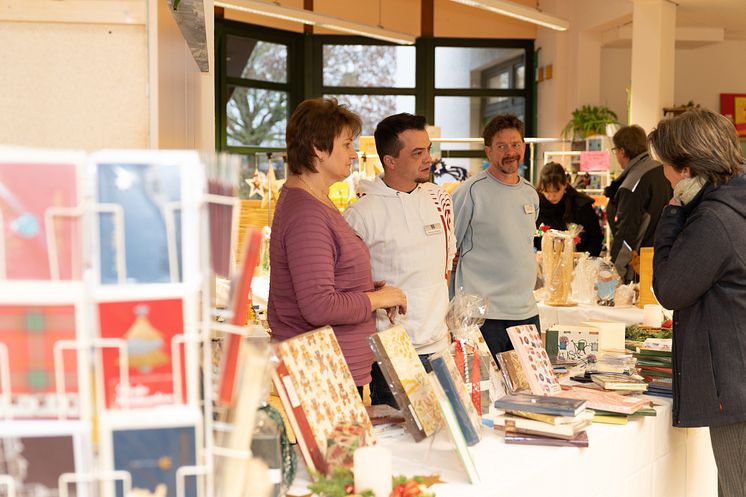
x,y
433,229
529,209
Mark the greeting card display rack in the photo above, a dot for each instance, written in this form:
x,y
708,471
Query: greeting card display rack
x,y
107,262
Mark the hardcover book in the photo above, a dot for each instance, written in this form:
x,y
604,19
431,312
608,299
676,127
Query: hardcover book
x,y
36,453
534,359
555,406
512,372
554,420
454,429
453,386
40,228
406,376
317,391
148,328
580,440
29,334
619,382
533,427
605,401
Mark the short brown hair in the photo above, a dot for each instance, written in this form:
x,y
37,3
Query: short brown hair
x,y
631,140
499,123
552,175
703,141
316,123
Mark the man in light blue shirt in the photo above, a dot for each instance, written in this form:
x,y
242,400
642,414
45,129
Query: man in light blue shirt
x,y
496,213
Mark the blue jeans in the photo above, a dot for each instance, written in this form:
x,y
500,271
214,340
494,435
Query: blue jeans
x,y
380,392
495,332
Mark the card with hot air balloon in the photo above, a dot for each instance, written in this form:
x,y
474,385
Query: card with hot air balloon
x,y
142,355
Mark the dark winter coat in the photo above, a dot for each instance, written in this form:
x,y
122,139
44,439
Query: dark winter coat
x,y
699,271
635,207
574,207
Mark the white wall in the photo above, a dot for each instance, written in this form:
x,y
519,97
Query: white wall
x,y
103,74
701,75
68,85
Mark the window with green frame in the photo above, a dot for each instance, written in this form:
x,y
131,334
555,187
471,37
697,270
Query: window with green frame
x,y
458,84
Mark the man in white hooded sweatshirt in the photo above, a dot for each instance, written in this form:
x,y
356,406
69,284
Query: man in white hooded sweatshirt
x,y
407,223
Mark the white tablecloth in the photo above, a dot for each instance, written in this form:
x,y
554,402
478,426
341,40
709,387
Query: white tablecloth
x,y
574,315
645,458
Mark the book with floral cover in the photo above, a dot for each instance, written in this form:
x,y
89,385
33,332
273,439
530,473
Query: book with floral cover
x,y
405,374
317,391
534,359
453,386
605,401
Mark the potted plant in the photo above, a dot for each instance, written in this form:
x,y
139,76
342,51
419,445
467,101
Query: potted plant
x,y
589,120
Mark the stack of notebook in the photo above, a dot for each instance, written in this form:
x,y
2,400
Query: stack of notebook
x,y
542,420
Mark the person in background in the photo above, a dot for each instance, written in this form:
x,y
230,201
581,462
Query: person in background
x,y
496,212
640,194
407,223
561,205
699,271
319,268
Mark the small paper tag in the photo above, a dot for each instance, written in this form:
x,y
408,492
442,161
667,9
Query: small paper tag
x,y
433,229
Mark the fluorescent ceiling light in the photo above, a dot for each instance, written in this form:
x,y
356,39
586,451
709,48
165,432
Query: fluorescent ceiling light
x,y
512,9
308,17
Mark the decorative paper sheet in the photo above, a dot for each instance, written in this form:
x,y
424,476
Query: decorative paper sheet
x,y
534,359
411,374
320,389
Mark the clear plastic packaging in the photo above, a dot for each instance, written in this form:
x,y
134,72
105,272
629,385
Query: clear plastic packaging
x,y
558,249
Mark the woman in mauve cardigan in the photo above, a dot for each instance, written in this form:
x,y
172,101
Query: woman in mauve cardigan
x,y
319,268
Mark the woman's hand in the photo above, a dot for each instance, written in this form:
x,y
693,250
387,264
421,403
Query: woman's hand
x,y
389,298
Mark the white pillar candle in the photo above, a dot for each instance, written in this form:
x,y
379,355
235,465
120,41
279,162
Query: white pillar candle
x,y
652,315
372,470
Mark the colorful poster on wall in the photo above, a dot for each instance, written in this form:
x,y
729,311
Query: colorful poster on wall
x,y
733,106
148,327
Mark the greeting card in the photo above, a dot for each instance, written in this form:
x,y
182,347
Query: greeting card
x,y
29,334
39,231
148,328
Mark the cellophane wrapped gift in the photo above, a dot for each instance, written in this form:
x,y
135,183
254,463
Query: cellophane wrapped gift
x,y
584,279
473,359
557,250
342,443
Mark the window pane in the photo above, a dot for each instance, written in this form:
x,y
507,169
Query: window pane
x,y
452,169
464,117
458,67
256,118
369,66
255,59
373,108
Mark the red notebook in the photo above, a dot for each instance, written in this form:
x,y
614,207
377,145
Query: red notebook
x,y
239,302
